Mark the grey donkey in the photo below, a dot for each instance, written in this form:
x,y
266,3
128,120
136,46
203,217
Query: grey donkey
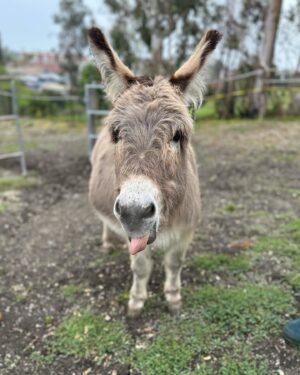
x,y
144,183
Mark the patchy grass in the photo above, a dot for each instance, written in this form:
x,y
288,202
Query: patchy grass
x,y
3,208
245,365
173,349
123,297
245,310
279,245
218,319
293,228
17,182
72,290
85,335
293,279
7,148
222,262
59,125
42,360
230,207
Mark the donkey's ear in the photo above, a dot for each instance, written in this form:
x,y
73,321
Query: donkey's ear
x,y
188,79
115,75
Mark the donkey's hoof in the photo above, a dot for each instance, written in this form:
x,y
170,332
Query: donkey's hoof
x,y
135,308
174,301
134,313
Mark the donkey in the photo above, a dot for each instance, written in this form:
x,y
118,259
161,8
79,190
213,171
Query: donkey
x,y
144,181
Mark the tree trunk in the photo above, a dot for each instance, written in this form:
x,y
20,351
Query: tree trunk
x,y
267,54
151,9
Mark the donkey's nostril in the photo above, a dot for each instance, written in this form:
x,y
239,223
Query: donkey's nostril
x,y
149,211
118,208
134,213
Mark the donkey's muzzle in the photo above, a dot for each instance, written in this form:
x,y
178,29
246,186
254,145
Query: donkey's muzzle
x,y
136,207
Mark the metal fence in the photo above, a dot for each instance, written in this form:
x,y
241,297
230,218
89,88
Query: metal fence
x,y
14,117
241,95
92,112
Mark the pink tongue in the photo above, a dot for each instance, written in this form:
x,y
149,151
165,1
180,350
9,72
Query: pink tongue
x,y
138,244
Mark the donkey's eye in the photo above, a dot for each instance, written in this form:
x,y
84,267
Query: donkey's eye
x,y
115,135
177,136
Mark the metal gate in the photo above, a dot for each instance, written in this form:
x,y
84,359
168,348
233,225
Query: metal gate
x,y
91,113
14,117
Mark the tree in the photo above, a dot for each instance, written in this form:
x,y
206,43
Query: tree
x,y
2,59
72,18
267,53
160,28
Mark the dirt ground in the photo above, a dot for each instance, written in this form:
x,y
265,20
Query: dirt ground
x,y
50,243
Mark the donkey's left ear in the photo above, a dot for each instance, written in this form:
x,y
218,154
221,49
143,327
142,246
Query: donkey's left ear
x,y
115,75
188,79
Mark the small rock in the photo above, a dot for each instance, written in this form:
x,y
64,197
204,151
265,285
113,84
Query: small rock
x,y
86,372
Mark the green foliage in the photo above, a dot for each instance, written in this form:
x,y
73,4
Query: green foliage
x,y
89,336
243,366
222,262
250,309
89,74
122,45
72,18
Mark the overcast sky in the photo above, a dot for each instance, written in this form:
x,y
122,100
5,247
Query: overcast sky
x,y
27,25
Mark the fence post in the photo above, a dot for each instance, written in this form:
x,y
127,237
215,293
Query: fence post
x,y
18,128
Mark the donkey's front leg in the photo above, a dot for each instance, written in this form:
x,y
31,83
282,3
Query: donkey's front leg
x,y
173,263
107,245
141,266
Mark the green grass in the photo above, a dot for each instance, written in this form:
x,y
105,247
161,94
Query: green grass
x,y
17,182
12,147
245,310
230,207
222,262
85,335
218,318
293,279
3,208
279,245
245,364
72,290
173,349
293,228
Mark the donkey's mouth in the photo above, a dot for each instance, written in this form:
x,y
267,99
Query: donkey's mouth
x,y
137,244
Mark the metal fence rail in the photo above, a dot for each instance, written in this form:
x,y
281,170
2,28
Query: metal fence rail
x,y
91,113
14,117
